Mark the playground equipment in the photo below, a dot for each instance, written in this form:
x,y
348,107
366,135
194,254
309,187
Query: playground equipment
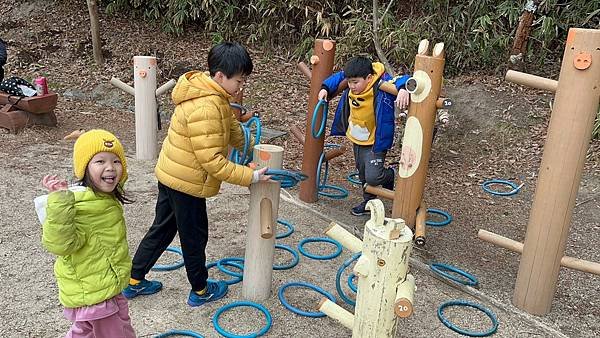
x,y
424,86
385,288
575,108
262,218
17,113
144,90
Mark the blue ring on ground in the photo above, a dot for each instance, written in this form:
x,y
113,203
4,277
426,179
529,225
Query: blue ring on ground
x,y
316,314
187,333
485,185
222,262
462,331
439,269
290,227
294,254
265,329
232,281
322,180
338,277
316,240
438,212
170,267
351,284
342,192
354,179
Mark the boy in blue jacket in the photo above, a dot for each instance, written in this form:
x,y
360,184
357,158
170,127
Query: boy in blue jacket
x,y
365,114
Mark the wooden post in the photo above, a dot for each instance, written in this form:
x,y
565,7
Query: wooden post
x,y
322,63
95,30
425,86
575,108
420,224
258,261
519,48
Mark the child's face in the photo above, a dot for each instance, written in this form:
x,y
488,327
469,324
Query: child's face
x,y
232,85
358,85
105,170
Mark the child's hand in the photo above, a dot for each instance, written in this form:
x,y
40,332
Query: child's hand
x,y
53,183
402,99
259,175
323,94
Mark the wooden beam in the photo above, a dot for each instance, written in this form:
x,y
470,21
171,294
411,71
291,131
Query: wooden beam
x,y
532,81
380,191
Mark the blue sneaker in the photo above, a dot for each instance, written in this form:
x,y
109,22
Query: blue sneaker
x,y
145,287
214,291
360,209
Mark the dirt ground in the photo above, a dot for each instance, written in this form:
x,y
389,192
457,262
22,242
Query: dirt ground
x,y
497,130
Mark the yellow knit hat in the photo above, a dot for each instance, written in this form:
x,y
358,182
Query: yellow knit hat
x,y
92,142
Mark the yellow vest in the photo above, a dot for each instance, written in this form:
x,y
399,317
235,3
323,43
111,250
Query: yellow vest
x,y
361,122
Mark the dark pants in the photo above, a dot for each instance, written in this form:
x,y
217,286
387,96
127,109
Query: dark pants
x,y
176,211
371,169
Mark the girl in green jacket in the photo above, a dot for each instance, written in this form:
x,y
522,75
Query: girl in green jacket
x,y
85,228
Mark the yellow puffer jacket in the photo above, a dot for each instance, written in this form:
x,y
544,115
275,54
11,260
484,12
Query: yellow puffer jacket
x,y
193,158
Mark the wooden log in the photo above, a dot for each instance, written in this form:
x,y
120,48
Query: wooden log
x,y
95,31
348,240
420,224
425,86
305,70
123,86
335,152
387,244
146,121
514,246
519,47
332,310
380,192
569,133
35,104
297,134
532,81
165,87
266,217
258,261
322,61
403,305
443,103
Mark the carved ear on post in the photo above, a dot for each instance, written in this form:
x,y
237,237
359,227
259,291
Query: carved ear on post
x,y
377,211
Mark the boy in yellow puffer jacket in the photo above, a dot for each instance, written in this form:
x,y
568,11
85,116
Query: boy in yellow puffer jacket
x,y
191,166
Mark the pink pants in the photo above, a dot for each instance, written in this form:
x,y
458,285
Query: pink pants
x,y
116,325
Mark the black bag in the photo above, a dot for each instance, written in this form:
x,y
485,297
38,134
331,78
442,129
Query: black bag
x,y
17,86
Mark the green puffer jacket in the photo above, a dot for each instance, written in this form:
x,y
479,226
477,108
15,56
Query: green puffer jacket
x,y
87,233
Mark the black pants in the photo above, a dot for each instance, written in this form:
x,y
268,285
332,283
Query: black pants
x,y
371,170
176,211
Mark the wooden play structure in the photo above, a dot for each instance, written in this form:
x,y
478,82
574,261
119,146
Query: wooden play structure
x,y
385,288
262,220
146,108
424,86
577,95
17,113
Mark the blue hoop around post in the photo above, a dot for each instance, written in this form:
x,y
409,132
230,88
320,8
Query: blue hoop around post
x,y
288,225
221,262
338,277
220,330
446,221
441,269
337,252
287,178
462,331
186,333
232,281
316,314
294,254
170,267
322,185
515,188
319,132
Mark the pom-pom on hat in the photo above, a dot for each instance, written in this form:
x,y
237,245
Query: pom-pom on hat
x,y
92,142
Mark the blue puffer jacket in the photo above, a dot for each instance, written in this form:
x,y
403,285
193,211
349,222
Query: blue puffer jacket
x,y
383,106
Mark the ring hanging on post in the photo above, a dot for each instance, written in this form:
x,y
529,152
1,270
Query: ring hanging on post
x,y
462,331
337,252
222,262
338,277
187,333
318,133
170,267
265,329
441,269
317,314
445,222
288,225
232,281
515,188
294,261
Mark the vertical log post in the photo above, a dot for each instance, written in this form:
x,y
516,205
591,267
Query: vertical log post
x,y
95,31
258,261
575,108
424,86
322,63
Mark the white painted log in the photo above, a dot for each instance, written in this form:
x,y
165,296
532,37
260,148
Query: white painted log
x,y
167,86
403,305
146,122
123,86
387,244
258,261
348,240
337,312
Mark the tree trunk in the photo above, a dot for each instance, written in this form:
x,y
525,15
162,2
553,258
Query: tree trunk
x,y
380,53
519,48
95,29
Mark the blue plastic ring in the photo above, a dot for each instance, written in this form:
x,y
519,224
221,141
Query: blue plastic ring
x,y
288,225
342,193
338,277
513,185
351,284
316,314
441,269
337,252
445,222
170,267
187,333
232,281
354,179
318,133
469,333
222,262
265,329
294,261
